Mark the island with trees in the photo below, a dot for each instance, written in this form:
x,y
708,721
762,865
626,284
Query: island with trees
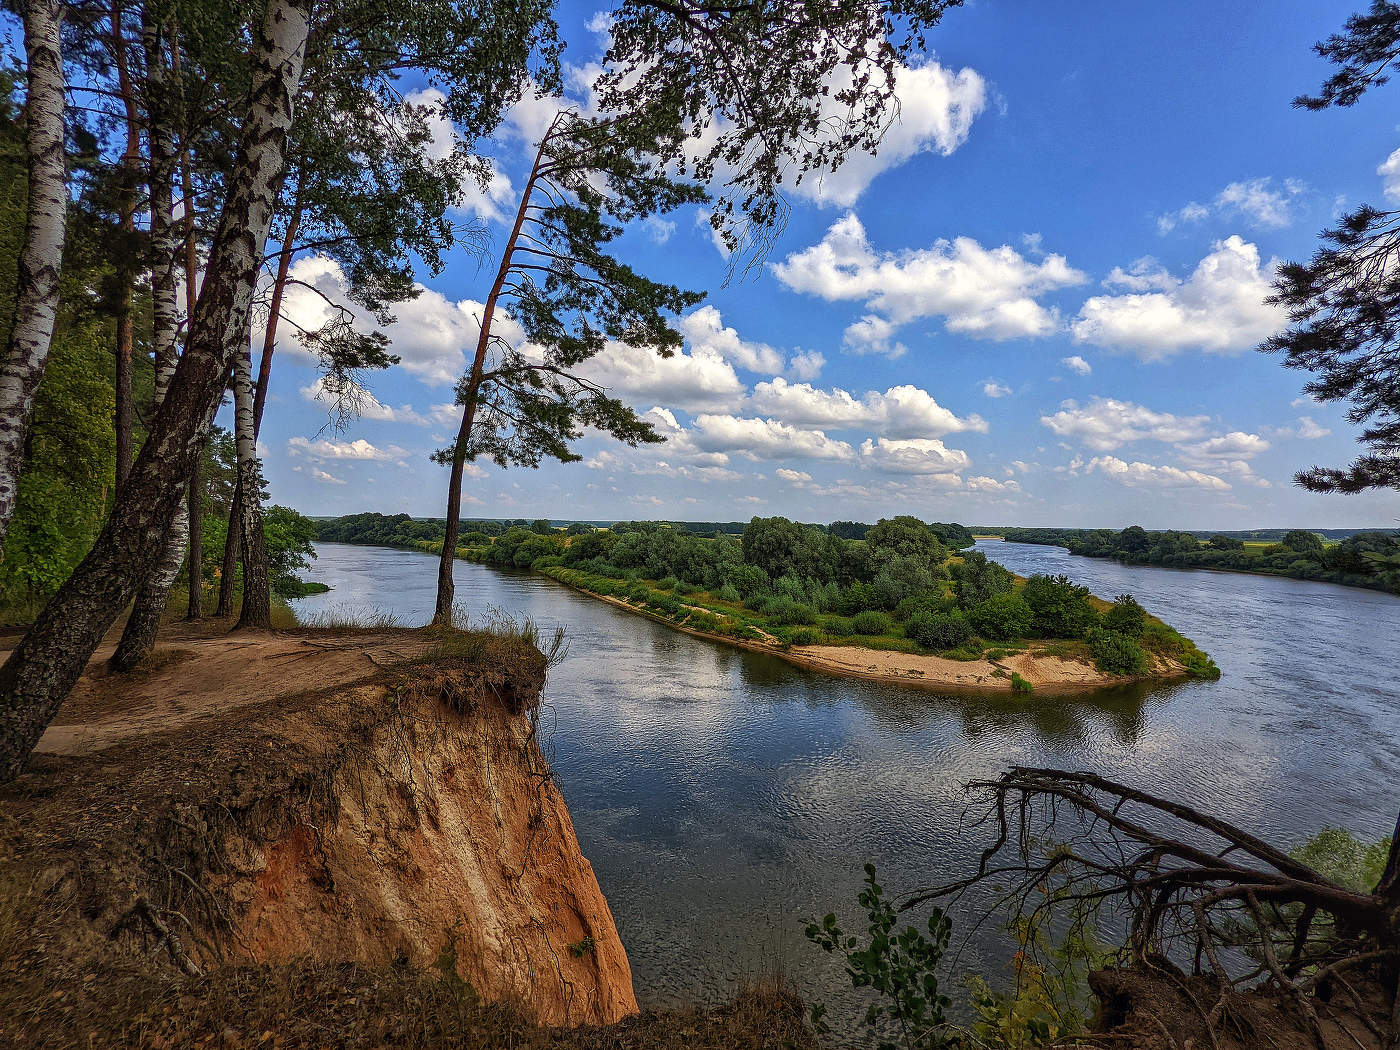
x,y
902,600
1362,559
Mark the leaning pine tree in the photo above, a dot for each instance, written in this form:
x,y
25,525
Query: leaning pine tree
x,y
556,279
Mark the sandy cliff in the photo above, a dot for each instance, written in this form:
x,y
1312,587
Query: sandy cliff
x,y
378,799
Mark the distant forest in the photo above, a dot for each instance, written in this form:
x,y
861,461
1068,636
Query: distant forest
x,y
1357,559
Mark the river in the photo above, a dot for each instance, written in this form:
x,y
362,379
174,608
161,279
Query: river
x,y
722,795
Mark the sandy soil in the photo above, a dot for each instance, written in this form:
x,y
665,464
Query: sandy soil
x,y
193,676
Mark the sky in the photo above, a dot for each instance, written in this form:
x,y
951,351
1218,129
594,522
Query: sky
x,y
1036,305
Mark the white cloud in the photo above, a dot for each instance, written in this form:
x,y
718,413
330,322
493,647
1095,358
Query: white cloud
x,y
367,405
487,202
982,483
873,334
806,364
1257,202
706,333
357,449
1105,424
1389,171
792,475
1077,364
994,389
915,456
936,110
1220,308
765,439
1232,446
702,222
321,475
430,333
1147,475
986,293
696,381
901,411
1310,430
659,229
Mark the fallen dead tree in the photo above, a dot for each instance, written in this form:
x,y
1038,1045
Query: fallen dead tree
x,y
1201,898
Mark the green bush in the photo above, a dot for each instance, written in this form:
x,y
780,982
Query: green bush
x,y
789,613
1020,685
805,636
939,630
838,626
668,584
686,588
1116,653
1062,608
1001,617
1126,617
870,622
729,593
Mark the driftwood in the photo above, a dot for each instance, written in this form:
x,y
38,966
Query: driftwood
x,y
1198,894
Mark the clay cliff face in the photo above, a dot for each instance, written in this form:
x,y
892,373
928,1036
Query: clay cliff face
x,y
384,809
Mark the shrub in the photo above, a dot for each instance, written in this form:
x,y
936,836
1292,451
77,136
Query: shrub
x,y
805,636
1126,617
1061,608
686,589
1020,685
929,601
1116,653
729,593
1002,617
637,592
838,626
939,630
667,584
870,622
788,612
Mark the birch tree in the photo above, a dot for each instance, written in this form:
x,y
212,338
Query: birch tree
x,y
41,258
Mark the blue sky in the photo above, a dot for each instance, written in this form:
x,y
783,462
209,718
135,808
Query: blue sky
x,y
1036,305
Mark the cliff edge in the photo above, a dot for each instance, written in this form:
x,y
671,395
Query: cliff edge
x,y
371,798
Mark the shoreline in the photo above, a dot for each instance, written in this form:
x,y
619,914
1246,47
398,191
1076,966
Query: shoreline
x,y
1049,675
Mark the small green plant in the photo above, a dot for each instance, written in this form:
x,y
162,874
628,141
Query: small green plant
x,y
584,947
870,621
898,965
1020,685
1116,653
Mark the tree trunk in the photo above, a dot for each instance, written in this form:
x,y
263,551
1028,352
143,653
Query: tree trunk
x,y
194,609
446,587
153,595
233,545
127,266
41,257
257,597
48,661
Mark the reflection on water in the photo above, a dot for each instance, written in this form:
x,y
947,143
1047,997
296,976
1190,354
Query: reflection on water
x,y
723,795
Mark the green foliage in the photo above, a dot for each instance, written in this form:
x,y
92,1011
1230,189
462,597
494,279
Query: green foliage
x,y
1337,854
729,593
1020,685
975,579
1116,653
1126,617
1061,607
870,622
899,966
838,626
1002,617
804,636
939,630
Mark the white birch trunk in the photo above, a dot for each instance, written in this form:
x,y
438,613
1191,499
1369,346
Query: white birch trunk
x,y
41,257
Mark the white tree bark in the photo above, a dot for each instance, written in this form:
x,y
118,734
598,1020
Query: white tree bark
x,y
41,258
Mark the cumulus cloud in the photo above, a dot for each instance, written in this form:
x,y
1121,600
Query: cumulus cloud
x,y
1260,203
491,202
331,479
994,389
1105,424
366,405
1389,171
982,292
430,334
873,334
1220,308
706,333
697,381
982,483
936,110
1231,446
913,456
1077,364
792,475
357,449
765,439
806,364
901,411
1148,475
